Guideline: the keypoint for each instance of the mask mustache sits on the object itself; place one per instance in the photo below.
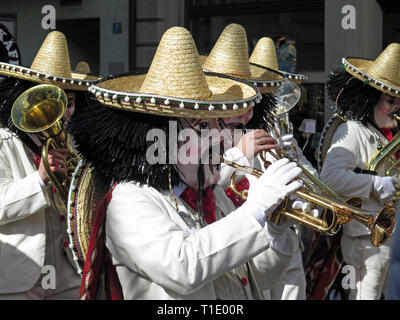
(212, 156)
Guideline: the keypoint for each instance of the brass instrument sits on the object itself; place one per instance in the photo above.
(346, 209)
(40, 109)
(337, 211)
(287, 96)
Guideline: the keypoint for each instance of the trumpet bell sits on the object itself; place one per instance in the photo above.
(287, 96)
(383, 225)
(39, 108)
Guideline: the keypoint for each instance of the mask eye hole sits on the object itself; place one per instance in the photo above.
(390, 99)
(203, 125)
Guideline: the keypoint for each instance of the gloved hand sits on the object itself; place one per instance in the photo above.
(286, 141)
(299, 203)
(268, 191)
(384, 187)
(295, 202)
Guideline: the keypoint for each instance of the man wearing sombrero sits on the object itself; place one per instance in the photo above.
(293, 285)
(170, 235)
(230, 56)
(36, 259)
(367, 95)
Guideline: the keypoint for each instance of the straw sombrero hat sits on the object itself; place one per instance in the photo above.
(51, 65)
(177, 86)
(264, 54)
(230, 56)
(382, 73)
(82, 67)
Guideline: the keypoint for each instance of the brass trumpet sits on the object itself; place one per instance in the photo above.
(337, 211)
(40, 109)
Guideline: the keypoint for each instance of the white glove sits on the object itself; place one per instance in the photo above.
(286, 141)
(295, 202)
(384, 187)
(268, 191)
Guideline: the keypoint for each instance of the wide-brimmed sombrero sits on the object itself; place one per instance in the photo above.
(177, 86)
(264, 54)
(230, 56)
(51, 65)
(383, 73)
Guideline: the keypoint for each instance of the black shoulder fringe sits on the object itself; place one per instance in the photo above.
(114, 142)
(357, 99)
(263, 113)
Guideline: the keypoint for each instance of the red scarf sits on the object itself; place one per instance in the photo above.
(100, 278)
(189, 196)
(240, 186)
(388, 133)
(37, 161)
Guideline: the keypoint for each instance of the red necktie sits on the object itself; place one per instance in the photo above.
(240, 186)
(189, 196)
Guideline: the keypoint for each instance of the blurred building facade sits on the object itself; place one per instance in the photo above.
(117, 36)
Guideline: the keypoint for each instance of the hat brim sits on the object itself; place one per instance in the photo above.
(85, 197)
(358, 68)
(78, 82)
(265, 79)
(294, 77)
(229, 97)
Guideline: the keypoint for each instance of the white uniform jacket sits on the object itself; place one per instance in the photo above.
(353, 146)
(161, 254)
(23, 205)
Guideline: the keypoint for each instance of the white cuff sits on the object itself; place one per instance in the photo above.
(42, 184)
(236, 155)
(253, 211)
(279, 240)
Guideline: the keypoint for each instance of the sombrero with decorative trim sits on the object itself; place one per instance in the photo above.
(230, 56)
(264, 54)
(85, 197)
(383, 73)
(51, 65)
(177, 86)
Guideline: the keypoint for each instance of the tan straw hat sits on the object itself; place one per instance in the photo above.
(382, 73)
(51, 65)
(82, 67)
(264, 54)
(177, 86)
(230, 56)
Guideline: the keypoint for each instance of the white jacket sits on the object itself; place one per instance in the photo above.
(160, 256)
(353, 146)
(23, 205)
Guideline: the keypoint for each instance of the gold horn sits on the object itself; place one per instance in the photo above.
(337, 211)
(381, 226)
(40, 109)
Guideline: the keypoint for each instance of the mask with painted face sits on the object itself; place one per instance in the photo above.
(200, 147)
(384, 111)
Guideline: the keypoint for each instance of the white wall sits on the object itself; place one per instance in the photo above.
(365, 41)
(114, 48)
